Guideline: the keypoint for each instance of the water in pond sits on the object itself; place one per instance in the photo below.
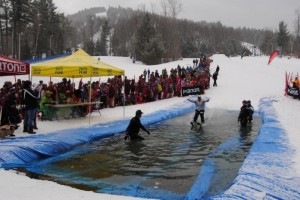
(166, 164)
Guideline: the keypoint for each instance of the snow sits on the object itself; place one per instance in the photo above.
(103, 14)
(248, 78)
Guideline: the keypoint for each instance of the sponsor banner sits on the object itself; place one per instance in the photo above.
(9, 67)
(294, 92)
(186, 91)
(12, 68)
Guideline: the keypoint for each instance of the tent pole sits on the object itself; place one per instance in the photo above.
(124, 96)
(90, 100)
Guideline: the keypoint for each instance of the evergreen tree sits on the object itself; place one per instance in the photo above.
(153, 51)
(283, 38)
(104, 39)
(89, 47)
(267, 45)
(26, 53)
(19, 16)
(189, 49)
(296, 45)
(48, 24)
(145, 33)
(5, 29)
(97, 48)
(149, 47)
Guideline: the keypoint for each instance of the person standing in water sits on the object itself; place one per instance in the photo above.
(200, 108)
(133, 129)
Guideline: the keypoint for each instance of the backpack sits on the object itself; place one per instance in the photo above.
(159, 87)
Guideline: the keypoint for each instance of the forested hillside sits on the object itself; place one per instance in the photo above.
(33, 28)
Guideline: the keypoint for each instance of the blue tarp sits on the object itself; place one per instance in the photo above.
(265, 174)
(22, 150)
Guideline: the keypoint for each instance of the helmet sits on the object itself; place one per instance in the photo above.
(248, 101)
(244, 101)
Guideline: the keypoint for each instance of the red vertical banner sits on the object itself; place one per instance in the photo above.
(273, 55)
(286, 84)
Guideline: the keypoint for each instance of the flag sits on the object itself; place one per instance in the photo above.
(273, 55)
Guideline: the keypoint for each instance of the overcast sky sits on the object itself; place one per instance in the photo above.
(237, 13)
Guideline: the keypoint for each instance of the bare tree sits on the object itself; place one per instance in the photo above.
(164, 7)
(175, 7)
(142, 8)
(297, 23)
(5, 27)
(296, 39)
(90, 25)
(153, 8)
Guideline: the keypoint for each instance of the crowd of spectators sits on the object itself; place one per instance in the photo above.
(149, 86)
(293, 87)
(295, 83)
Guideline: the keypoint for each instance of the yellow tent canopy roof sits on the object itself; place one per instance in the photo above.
(78, 65)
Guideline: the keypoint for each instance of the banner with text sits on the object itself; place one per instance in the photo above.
(191, 90)
(294, 92)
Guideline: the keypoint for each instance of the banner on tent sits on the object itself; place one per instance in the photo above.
(191, 90)
(294, 92)
(9, 67)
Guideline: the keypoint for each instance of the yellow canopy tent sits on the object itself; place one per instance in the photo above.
(78, 65)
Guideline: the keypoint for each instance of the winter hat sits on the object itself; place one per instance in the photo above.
(138, 112)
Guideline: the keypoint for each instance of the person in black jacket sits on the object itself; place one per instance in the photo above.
(215, 75)
(250, 111)
(30, 102)
(10, 114)
(134, 127)
(244, 114)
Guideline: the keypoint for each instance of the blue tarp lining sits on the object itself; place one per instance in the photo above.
(136, 188)
(202, 182)
(267, 171)
(22, 150)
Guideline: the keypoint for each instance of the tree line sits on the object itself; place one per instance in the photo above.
(33, 28)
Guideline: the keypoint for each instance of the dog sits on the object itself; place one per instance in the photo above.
(6, 130)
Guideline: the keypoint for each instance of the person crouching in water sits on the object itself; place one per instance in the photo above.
(200, 108)
(134, 127)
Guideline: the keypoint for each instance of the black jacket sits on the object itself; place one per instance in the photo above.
(215, 75)
(244, 113)
(134, 127)
(29, 99)
(10, 115)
